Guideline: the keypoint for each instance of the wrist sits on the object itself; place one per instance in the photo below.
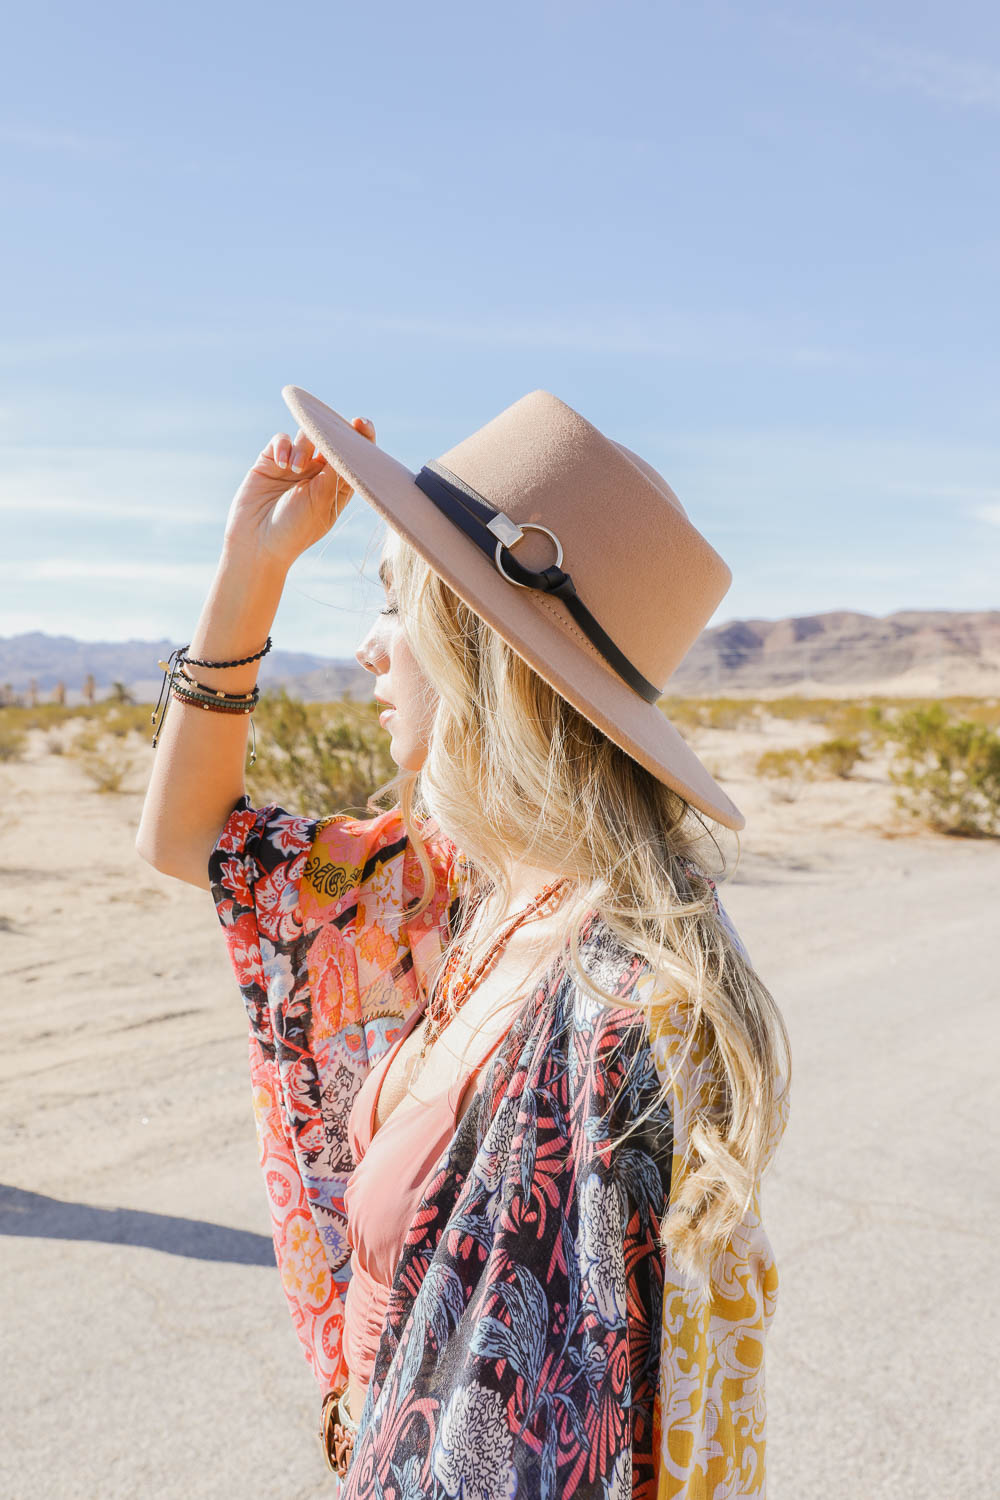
(252, 564)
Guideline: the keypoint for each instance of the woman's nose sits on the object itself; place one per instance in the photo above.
(368, 652)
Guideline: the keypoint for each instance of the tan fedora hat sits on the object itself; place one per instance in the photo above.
(572, 547)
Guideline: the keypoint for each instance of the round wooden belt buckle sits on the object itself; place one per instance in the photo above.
(337, 1440)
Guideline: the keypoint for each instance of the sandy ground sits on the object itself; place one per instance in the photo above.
(147, 1351)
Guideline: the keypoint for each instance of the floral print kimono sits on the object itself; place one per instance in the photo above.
(538, 1341)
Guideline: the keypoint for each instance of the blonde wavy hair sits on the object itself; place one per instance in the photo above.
(514, 772)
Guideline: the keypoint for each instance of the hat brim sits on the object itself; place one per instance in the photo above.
(521, 616)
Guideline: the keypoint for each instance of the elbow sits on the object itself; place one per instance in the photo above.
(192, 870)
(149, 853)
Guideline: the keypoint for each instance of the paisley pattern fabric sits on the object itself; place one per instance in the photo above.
(538, 1340)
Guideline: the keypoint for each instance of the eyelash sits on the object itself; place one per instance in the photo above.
(390, 609)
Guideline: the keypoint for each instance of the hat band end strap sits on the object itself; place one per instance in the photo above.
(469, 510)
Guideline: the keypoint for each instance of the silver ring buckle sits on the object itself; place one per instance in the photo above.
(509, 533)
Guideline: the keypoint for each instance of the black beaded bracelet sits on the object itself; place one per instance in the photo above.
(172, 670)
(241, 662)
(254, 692)
(182, 686)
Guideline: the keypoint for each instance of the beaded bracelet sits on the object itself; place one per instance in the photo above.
(225, 705)
(214, 706)
(241, 662)
(192, 691)
(254, 692)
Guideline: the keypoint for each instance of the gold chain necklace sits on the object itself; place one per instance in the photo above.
(450, 992)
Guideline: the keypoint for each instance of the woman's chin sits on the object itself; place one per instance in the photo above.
(406, 757)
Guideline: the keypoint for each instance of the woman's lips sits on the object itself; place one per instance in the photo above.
(385, 714)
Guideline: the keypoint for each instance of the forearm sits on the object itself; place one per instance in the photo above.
(198, 763)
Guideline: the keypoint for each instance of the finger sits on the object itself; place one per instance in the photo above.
(300, 453)
(304, 463)
(309, 454)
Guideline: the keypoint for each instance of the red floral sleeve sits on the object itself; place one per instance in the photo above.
(329, 969)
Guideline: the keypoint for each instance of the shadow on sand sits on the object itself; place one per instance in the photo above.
(35, 1217)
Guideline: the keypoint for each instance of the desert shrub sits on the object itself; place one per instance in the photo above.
(786, 770)
(98, 745)
(86, 740)
(120, 719)
(44, 715)
(682, 712)
(106, 765)
(876, 726)
(979, 710)
(318, 758)
(109, 711)
(710, 713)
(12, 737)
(836, 757)
(857, 719)
(727, 713)
(803, 710)
(949, 771)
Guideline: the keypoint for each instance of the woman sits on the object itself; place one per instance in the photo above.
(515, 1077)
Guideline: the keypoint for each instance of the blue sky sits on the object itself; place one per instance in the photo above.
(757, 244)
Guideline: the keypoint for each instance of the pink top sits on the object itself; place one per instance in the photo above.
(392, 1171)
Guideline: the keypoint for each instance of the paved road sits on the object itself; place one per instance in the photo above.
(882, 1204)
(151, 1350)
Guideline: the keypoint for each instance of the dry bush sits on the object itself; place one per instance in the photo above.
(107, 768)
(99, 748)
(836, 757)
(949, 771)
(711, 713)
(682, 712)
(86, 740)
(976, 710)
(802, 710)
(44, 715)
(121, 719)
(13, 737)
(318, 758)
(786, 770)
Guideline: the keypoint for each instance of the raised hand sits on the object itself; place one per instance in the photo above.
(288, 500)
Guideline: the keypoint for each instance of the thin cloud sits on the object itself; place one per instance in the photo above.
(120, 510)
(138, 484)
(724, 340)
(970, 493)
(793, 462)
(108, 570)
(136, 570)
(51, 348)
(715, 342)
(965, 82)
(672, 336)
(41, 138)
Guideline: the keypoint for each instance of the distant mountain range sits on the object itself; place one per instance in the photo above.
(931, 653)
(50, 659)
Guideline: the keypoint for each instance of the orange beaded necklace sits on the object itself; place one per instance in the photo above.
(452, 990)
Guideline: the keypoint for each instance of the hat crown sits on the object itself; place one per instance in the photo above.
(639, 565)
